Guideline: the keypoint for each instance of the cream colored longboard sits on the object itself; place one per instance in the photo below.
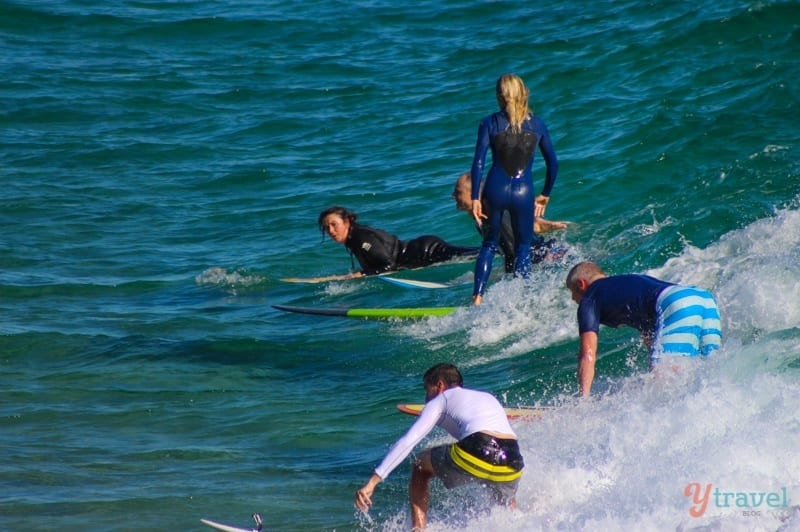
(520, 413)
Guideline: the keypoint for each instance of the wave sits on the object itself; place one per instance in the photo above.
(643, 454)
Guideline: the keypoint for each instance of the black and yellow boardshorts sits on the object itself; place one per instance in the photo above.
(479, 458)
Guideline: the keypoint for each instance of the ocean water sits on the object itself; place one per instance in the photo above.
(163, 164)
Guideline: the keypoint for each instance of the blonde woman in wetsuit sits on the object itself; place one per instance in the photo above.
(513, 134)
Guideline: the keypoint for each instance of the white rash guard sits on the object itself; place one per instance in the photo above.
(459, 411)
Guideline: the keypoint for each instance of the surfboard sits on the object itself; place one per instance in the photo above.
(411, 283)
(371, 313)
(329, 278)
(317, 280)
(523, 413)
(229, 528)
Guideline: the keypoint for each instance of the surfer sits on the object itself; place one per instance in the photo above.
(486, 452)
(672, 319)
(378, 251)
(541, 249)
(513, 134)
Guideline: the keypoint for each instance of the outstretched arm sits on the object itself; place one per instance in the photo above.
(540, 225)
(312, 280)
(364, 495)
(400, 450)
(586, 361)
(339, 277)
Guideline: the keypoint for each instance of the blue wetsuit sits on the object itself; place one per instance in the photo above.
(509, 187)
(539, 246)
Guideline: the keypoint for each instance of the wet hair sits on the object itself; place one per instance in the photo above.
(447, 373)
(512, 95)
(341, 212)
(583, 270)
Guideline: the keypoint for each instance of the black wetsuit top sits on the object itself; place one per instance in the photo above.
(378, 251)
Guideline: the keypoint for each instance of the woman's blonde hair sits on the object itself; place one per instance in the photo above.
(512, 95)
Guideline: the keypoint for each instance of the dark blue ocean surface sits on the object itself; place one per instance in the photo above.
(163, 165)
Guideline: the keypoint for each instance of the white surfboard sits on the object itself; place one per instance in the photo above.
(317, 280)
(229, 528)
(411, 283)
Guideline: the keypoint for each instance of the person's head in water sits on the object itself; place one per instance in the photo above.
(439, 378)
(336, 222)
(462, 192)
(512, 96)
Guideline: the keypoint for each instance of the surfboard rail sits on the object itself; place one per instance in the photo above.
(317, 280)
(413, 283)
(522, 413)
(370, 313)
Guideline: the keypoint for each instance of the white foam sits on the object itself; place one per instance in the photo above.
(623, 461)
(753, 272)
(517, 316)
(219, 276)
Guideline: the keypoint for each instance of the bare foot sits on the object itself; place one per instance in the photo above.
(477, 300)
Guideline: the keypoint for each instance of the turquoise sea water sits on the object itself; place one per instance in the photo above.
(163, 165)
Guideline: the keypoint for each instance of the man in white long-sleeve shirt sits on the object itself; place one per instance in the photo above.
(486, 451)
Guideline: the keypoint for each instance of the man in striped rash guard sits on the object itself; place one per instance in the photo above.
(671, 319)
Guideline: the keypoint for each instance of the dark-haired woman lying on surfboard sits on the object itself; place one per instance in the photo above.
(380, 252)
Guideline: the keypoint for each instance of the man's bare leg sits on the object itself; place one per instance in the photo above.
(418, 491)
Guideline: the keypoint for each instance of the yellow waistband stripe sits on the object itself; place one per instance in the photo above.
(481, 469)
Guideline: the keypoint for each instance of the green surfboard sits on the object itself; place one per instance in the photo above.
(371, 313)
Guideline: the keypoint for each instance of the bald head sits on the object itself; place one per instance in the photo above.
(462, 192)
(584, 271)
